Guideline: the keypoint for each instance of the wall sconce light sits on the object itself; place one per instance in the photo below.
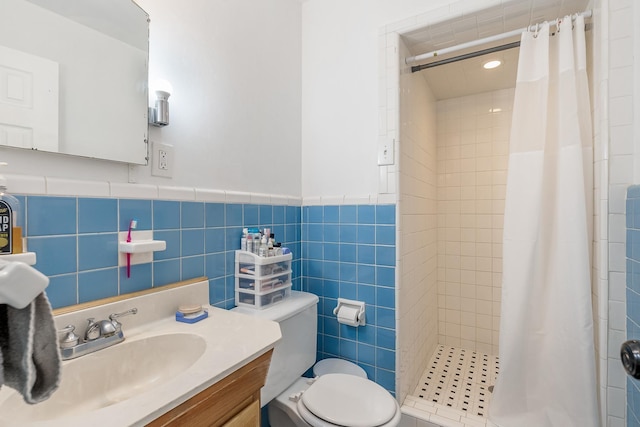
(159, 114)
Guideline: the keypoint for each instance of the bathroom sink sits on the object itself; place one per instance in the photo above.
(111, 376)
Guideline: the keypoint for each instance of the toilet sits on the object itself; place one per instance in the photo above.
(340, 395)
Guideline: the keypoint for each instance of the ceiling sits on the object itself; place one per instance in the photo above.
(468, 77)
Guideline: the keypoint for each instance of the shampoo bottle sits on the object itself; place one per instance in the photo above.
(10, 221)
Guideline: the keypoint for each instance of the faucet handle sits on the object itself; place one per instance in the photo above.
(113, 317)
(93, 330)
(70, 339)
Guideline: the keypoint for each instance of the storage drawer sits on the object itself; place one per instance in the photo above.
(251, 264)
(270, 283)
(252, 299)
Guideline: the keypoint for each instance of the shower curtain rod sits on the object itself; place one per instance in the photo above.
(416, 68)
(413, 59)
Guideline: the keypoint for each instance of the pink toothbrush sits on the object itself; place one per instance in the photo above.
(132, 225)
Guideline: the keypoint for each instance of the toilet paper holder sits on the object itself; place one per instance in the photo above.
(350, 312)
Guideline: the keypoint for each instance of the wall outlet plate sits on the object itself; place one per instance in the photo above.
(161, 159)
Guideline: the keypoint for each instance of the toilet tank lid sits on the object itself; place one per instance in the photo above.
(294, 304)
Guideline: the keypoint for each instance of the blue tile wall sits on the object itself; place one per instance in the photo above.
(76, 243)
(343, 251)
(633, 295)
(350, 252)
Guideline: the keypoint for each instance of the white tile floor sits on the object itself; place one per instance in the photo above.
(454, 390)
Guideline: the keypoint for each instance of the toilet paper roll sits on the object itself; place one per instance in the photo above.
(348, 315)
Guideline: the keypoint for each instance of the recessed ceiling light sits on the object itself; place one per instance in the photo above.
(491, 64)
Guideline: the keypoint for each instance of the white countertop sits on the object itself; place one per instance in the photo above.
(232, 340)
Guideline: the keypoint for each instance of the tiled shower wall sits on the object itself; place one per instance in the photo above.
(613, 38)
(615, 139)
(473, 147)
(417, 261)
(348, 251)
(633, 295)
(76, 243)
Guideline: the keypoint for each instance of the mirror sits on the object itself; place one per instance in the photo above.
(73, 77)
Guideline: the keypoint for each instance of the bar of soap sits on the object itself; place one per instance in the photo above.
(189, 309)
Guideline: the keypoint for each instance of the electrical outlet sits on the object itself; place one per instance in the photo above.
(162, 160)
(385, 151)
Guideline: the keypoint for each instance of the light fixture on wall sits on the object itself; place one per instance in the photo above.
(491, 64)
(159, 114)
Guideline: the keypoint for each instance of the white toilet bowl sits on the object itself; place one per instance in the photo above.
(335, 399)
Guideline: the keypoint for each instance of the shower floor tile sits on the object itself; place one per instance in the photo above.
(459, 379)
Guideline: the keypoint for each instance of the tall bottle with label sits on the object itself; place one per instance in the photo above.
(10, 221)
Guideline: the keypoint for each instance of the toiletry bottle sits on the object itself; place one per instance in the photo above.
(249, 243)
(243, 239)
(256, 243)
(10, 221)
(263, 247)
(271, 252)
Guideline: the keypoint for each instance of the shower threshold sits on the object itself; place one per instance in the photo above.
(454, 390)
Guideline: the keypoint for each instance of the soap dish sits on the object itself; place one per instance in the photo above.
(191, 317)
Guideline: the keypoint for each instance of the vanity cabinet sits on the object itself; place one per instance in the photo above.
(234, 401)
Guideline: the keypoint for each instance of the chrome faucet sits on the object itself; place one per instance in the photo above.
(98, 335)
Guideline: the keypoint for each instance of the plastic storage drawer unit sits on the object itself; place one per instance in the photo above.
(262, 281)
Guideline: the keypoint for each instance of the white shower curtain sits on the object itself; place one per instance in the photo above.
(547, 360)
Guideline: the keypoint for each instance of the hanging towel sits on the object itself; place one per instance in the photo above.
(29, 354)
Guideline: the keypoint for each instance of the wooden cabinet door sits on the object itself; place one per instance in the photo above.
(248, 417)
(224, 401)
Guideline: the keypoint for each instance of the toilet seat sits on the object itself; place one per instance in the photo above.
(347, 401)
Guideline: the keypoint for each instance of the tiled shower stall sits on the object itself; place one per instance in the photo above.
(412, 118)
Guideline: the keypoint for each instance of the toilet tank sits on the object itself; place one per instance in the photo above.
(296, 351)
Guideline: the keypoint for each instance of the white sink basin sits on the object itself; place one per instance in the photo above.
(112, 375)
(161, 364)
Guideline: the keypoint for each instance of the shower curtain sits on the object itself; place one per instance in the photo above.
(547, 359)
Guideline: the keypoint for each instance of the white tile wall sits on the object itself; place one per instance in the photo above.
(473, 145)
(41, 185)
(617, 43)
(417, 261)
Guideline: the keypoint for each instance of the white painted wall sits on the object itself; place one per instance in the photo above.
(235, 111)
(340, 95)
